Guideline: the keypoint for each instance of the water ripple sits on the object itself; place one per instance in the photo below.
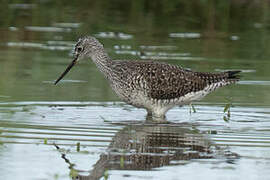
(113, 135)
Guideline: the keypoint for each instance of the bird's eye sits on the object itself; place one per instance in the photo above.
(79, 49)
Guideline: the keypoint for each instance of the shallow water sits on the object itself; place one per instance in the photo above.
(80, 129)
(114, 136)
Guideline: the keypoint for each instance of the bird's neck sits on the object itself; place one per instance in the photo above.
(103, 62)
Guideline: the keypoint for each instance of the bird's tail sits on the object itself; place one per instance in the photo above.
(219, 79)
(233, 75)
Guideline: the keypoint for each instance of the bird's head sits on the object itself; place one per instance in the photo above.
(86, 46)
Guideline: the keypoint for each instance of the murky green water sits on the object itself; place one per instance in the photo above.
(41, 124)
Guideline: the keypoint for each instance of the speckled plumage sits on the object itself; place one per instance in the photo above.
(155, 86)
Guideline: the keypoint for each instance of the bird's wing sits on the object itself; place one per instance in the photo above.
(170, 82)
(166, 81)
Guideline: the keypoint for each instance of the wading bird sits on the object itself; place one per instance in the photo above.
(155, 86)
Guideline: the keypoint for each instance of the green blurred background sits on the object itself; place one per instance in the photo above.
(36, 40)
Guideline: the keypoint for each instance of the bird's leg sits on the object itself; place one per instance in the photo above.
(151, 118)
(149, 113)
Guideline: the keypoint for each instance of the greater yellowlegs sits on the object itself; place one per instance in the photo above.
(155, 86)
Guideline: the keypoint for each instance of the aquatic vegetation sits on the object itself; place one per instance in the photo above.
(73, 173)
(46, 141)
(78, 145)
(122, 161)
(192, 108)
(227, 110)
(106, 174)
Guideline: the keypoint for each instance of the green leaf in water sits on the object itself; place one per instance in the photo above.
(73, 173)
(192, 108)
(227, 107)
(122, 161)
(78, 146)
(45, 141)
(226, 118)
(106, 174)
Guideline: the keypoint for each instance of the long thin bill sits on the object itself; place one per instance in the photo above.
(67, 70)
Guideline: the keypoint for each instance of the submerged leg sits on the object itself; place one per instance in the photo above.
(149, 113)
(152, 117)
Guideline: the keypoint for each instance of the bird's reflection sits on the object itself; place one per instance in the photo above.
(147, 146)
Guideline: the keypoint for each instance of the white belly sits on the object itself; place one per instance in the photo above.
(159, 107)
